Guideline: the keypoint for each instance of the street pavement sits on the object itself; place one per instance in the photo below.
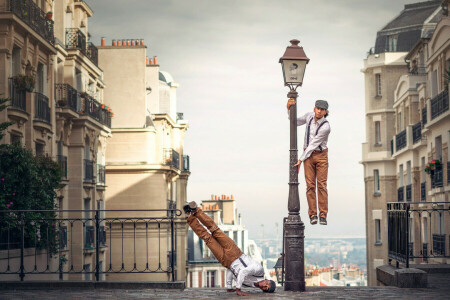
(438, 288)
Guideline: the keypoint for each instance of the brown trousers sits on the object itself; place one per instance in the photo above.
(221, 245)
(316, 168)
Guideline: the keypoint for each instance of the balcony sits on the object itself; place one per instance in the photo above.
(76, 40)
(400, 140)
(437, 178)
(89, 237)
(172, 158)
(409, 192)
(18, 96)
(439, 244)
(424, 116)
(62, 161)
(101, 174)
(392, 147)
(88, 170)
(401, 194)
(417, 132)
(92, 108)
(41, 107)
(425, 252)
(439, 104)
(66, 97)
(186, 166)
(423, 191)
(34, 17)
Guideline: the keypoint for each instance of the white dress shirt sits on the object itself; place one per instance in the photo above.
(321, 139)
(245, 271)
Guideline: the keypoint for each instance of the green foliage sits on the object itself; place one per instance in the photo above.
(4, 125)
(28, 183)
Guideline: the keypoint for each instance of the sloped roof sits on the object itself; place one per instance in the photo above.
(413, 14)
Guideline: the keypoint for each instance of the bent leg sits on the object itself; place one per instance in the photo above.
(210, 241)
(310, 178)
(322, 176)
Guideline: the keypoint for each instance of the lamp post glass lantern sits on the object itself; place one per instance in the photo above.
(293, 65)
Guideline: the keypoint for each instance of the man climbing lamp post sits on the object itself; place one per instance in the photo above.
(293, 64)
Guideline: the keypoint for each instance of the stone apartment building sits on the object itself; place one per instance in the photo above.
(62, 117)
(146, 165)
(407, 122)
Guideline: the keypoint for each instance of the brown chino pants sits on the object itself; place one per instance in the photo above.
(221, 245)
(316, 168)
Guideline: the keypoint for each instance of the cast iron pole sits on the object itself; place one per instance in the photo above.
(294, 227)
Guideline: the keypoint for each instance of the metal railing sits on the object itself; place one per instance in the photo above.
(400, 140)
(409, 192)
(399, 215)
(423, 191)
(171, 158)
(439, 104)
(401, 194)
(88, 170)
(417, 132)
(392, 147)
(92, 53)
(67, 96)
(424, 116)
(76, 39)
(18, 96)
(62, 161)
(437, 177)
(186, 163)
(41, 107)
(92, 108)
(34, 17)
(101, 174)
(41, 242)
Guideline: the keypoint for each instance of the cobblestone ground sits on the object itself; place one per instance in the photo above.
(439, 288)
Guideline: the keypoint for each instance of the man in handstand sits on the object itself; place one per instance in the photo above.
(244, 270)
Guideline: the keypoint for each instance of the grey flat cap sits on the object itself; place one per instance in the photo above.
(322, 104)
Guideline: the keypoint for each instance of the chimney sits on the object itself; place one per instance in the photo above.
(212, 197)
(146, 60)
(132, 42)
(103, 42)
(128, 43)
(215, 197)
(119, 43)
(155, 60)
(124, 42)
(142, 42)
(232, 197)
(113, 42)
(151, 61)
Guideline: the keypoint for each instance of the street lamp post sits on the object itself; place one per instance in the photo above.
(293, 64)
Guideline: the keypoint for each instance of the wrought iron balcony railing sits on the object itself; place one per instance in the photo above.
(392, 147)
(424, 116)
(439, 244)
(67, 96)
(425, 252)
(186, 163)
(401, 194)
(400, 140)
(172, 158)
(88, 170)
(439, 104)
(437, 178)
(34, 17)
(76, 39)
(41, 107)
(62, 161)
(423, 191)
(18, 96)
(62, 236)
(92, 108)
(409, 192)
(417, 132)
(101, 174)
(92, 53)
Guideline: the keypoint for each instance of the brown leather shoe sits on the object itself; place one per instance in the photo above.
(323, 221)
(313, 220)
(190, 207)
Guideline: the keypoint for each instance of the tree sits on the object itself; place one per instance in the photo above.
(4, 125)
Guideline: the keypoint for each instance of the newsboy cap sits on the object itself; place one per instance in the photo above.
(322, 104)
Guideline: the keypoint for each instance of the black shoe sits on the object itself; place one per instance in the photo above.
(313, 220)
(190, 207)
(323, 221)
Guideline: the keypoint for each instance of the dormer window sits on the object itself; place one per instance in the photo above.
(393, 43)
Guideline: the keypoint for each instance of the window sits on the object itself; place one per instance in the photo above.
(377, 232)
(438, 143)
(425, 230)
(39, 149)
(392, 43)
(399, 122)
(377, 133)
(235, 237)
(400, 171)
(210, 279)
(15, 67)
(378, 84)
(15, 139)
(40, 78)
(376, 182)
(408, 172)
(424, 178)
(434, 83)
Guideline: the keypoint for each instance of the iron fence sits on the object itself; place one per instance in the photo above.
(399, 243)
(92, 53)
(42, 242)
(41, 107)
(171, 158)
(400, 140)
(417, 132)
(18, 96)
(34, 17)
(186, 165)
(437, 177)
(439, 104)
(92, 108)
(67, 96)
(409, 192)
(401, 194)
(76, 39)
(424, 116)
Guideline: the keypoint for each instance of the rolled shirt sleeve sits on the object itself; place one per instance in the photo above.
(323, 133)
(301, 120)
(230, 277)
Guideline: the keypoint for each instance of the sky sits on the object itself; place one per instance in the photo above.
(224, 55)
